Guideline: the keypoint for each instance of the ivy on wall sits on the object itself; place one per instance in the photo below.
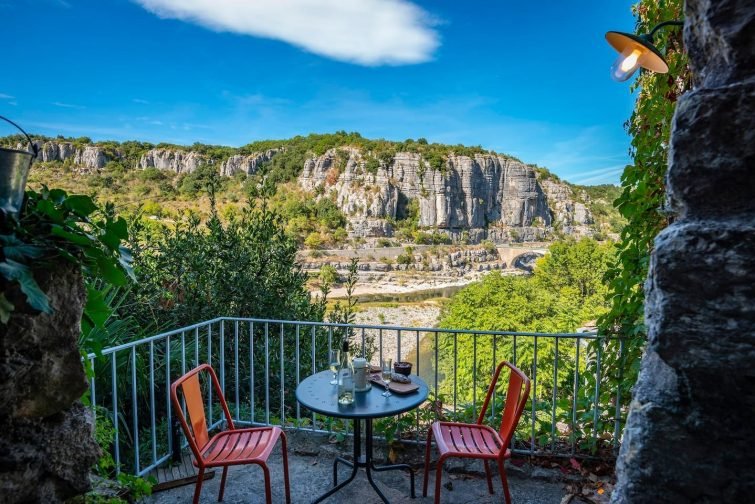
(643, 193)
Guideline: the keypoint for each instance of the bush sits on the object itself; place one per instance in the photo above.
(197, 271)
(152, 208)
(489, 247)
(314, 240)
(152, 174)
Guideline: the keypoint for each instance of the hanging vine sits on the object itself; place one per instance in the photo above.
(643, 190)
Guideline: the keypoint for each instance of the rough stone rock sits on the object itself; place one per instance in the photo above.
(695, 152)
(689, 433)
(40, 366)
(90, 156)
(179, 161)
(47, 459)
(246, 164)
(46, 444)
(471, 194)
(719, 36)
(562, 202)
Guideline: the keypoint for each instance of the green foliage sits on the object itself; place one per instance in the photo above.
(328, 275)
(565, 291)
(55, 226)
(205, 178)
(197, 271)
(407, 257)
(434, 237)
(642, 183)
(136, 487)
(104, 434)
(315, 222)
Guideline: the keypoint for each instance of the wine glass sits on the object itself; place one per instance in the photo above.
(387, 370)
(335, 360)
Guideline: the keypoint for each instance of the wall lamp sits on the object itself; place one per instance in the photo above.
(637, 51)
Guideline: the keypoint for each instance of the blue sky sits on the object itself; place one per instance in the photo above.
(525, 78)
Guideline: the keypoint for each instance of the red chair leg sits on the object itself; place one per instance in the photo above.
(427, 461)
(438, 478)
(490, 478)
(198, 488)
(285, 468)
(222, 484)
(504, 482)
(268, 490)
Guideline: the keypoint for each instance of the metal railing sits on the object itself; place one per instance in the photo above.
(576, 407)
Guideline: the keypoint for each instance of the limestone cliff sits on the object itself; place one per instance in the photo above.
(90, 157)
(246, 164)
(483, 196)
(179, 161)
(486, 195)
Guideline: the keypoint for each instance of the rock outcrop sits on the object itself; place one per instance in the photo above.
(486, 195)
(246, 164)
(46, 443)
(90, 157)
(175, 160)
(689, 434)
(475, 198)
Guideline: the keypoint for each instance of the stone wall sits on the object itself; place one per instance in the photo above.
(46, 443)
(690, 436)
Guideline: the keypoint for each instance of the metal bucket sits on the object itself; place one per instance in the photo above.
(14, 168)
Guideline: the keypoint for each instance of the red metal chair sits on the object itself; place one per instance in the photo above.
(477, 440)
(230, 447)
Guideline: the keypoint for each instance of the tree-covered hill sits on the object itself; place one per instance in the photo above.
(120, 176)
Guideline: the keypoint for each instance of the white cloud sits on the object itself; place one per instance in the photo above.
(4, 96)
(366, 32)
(140, 101)
(67, 105)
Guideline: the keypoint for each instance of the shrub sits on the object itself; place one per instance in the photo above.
(314, 240)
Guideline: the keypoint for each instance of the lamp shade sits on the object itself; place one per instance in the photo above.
(635, 51)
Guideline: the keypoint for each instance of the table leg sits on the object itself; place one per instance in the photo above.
(370, 465)
(355, 465)
(367, 463)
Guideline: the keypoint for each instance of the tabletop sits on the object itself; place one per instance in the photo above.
(316, 393)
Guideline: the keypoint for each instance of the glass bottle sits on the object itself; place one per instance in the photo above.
(345, 377)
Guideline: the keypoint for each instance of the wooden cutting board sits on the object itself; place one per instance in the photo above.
(396, 387)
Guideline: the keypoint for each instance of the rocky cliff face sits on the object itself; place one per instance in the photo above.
(89, 157)
(178, 161)
(486, 195)
(246, 164)
(483, 197)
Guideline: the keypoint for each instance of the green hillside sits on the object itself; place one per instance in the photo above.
(165, 195)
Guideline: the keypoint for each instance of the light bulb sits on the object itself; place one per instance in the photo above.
(626, 64)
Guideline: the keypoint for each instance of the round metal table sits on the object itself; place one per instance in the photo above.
(317, 394)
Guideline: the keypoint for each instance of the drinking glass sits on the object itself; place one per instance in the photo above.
(387, 370)
(335, 360)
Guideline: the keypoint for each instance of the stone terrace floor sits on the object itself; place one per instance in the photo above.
(310, 463)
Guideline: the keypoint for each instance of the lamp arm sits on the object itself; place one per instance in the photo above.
(663, 25)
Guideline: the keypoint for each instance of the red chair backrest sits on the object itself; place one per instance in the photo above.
(516, 396)
(190, 386)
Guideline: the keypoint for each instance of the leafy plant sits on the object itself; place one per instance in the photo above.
(643, 194)
(55, 225)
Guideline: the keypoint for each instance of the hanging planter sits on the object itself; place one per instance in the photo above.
(14, 168)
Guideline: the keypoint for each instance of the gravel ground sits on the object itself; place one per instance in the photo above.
(310, 460)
